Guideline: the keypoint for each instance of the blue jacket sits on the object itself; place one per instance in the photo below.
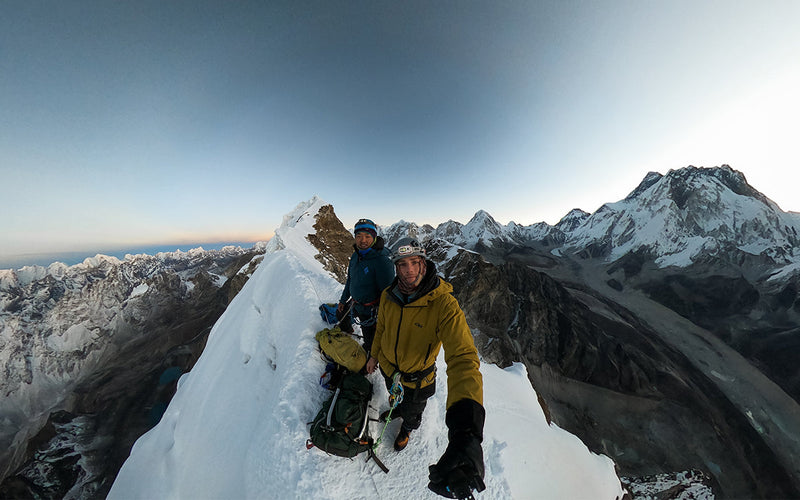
(367, 276)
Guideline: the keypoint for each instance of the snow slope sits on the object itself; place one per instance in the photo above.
(237, 426)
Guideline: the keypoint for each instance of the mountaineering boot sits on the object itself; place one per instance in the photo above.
(401, 441)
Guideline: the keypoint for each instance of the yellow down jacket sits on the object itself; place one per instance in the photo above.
(409, 336)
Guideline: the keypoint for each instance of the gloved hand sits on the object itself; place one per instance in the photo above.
(460, 470)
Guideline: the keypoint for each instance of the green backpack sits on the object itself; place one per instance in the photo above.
(341, 426)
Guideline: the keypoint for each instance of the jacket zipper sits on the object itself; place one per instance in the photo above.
(397, 339)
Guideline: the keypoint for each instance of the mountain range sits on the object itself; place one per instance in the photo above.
(83, 352)
(662, 330)
(678, 218)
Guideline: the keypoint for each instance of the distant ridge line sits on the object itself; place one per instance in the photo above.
(72, 258)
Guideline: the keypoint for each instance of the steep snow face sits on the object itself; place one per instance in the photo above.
(688, 212)
(237, 426)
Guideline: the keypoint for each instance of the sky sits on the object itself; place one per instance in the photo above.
(138, 123)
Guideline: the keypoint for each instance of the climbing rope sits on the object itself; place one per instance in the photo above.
(395, 398)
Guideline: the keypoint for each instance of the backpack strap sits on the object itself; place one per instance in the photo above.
(333, 404)
(371, 454)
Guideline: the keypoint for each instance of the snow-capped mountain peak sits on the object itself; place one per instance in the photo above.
(649, 179)
(401, 229)
(482, 218)
(481, 229)
(688, 213)
(482, 226)
(572, 220)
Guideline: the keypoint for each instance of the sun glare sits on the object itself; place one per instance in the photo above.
(756, 131)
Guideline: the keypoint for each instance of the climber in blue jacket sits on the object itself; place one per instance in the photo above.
(370, 271)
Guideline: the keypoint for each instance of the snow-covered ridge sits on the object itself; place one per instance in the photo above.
(258, 379)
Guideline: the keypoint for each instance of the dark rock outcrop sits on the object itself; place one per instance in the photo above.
(333, 241)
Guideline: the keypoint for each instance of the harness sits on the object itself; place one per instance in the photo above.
(373, 317)
(373, 304)
(415, 378)
(368, 304)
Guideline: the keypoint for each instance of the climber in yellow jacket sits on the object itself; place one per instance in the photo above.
(418, 315)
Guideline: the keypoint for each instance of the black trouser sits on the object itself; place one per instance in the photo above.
(369, 334)
(367, 331)
(413, 404)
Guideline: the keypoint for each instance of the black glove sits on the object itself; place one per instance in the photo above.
(460, 470)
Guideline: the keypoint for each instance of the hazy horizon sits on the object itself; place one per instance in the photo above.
(71, 258)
